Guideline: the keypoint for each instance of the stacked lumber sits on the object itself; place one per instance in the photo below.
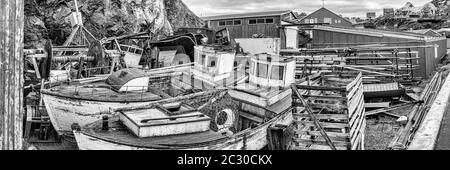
(418, 113)
(378, 65)
(308, 65)
(337, 106)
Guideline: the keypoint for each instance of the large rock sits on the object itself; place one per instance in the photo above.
(47, 19)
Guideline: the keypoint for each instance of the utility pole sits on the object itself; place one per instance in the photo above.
(11, 74)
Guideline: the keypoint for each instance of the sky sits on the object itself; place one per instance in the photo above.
(348, 8)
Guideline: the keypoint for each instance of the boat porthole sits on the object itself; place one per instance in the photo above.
(224, 120)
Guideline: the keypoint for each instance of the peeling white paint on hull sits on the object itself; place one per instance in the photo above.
(63, 112)
(256, 139)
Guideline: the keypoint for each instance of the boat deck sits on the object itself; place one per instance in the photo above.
(101, 91)
(118, 133)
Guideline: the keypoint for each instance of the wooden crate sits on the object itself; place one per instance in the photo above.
(338, 104)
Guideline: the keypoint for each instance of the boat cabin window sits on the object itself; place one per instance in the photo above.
(124, 48)
(203, 60)
(252, 68)
(262, 70)
(212, 61)
(277, 72)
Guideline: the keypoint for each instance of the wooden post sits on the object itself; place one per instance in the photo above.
(11, 74)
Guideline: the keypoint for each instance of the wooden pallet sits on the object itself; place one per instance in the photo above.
(338, 105)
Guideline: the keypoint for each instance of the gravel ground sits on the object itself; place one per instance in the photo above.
(379, 135)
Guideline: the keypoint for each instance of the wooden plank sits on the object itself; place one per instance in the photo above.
(320, 142)
(356, 128)
(317, 147)
(354, 90)
(358, 113)
(11, 74)
(377, 105)
(251, 117)
(341, 117)
(325, 124)
(413, 96)
(305, 87)
(311, 114)
(353, 103)
(36, 68)
(330, 134)
(355, 82)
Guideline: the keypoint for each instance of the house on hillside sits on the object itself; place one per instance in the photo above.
(388, 12)
(409, 11)
(429, 10)
(245, 25)
(324, 15)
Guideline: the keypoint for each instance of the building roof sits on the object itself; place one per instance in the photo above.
(323, 8)
(247, 15)
(425, 32)
(377, 33)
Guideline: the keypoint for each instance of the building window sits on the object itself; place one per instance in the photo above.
(327, 20)
(261, 21)
(237, 22)
(269, 20)
(311, 21)
(221, 23)
(229, 23)
(306, 21)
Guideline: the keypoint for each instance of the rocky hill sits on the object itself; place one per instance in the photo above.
(46, 19)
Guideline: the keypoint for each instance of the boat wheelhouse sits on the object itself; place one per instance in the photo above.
(212, 65)
(268, 84)
(213, 69)
(133, 55)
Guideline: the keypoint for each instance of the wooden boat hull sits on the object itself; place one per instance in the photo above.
(250, 139)
(63, 111)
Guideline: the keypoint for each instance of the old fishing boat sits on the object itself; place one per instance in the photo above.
(86, 102)
(208, 120)
(215, 119)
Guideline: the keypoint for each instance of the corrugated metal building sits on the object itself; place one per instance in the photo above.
(247, 24)
(327, 36)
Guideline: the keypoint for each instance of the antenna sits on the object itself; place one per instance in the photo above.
(323, 3)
